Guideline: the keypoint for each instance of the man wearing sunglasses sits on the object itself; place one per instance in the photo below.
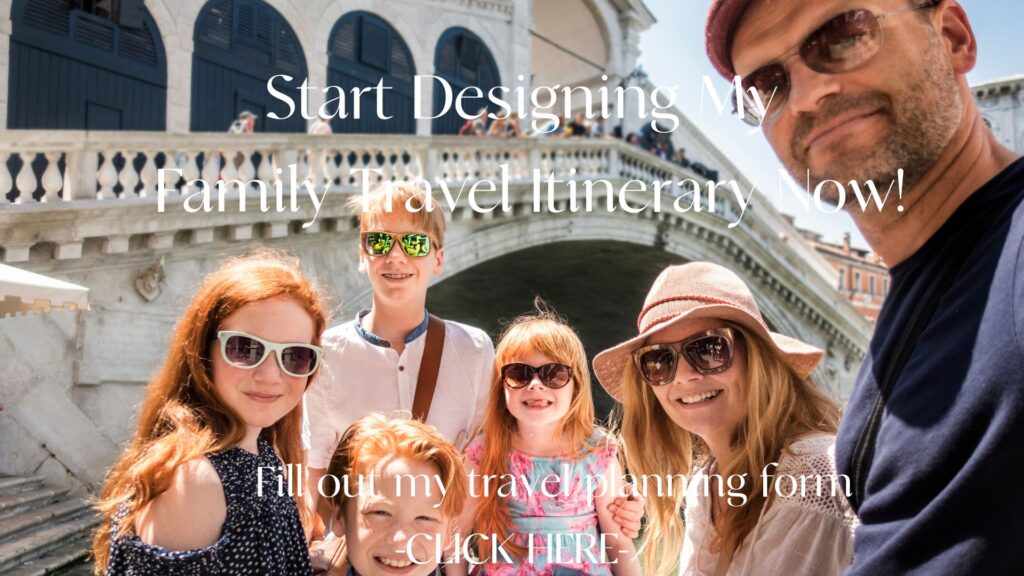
(932, 434)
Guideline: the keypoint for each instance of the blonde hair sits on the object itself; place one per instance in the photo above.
(546, 333)
(780, 407)
(389, 197)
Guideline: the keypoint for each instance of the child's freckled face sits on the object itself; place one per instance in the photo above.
(262, 395)
(398, 529)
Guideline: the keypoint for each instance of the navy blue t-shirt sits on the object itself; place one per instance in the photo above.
(945, 491)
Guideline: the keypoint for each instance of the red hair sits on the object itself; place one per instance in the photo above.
(374, 438)
(546, 333)
(182, 416)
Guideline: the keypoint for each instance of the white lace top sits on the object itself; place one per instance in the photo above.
(803, 532)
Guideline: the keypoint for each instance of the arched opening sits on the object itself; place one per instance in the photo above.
(462, 60)
(364, 50)
(85, 65)
(239, 46)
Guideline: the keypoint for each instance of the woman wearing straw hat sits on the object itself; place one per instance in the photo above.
(710, 393)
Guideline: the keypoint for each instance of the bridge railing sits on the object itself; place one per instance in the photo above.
(59, 189)
(65, 166)
(67, 198)
(48, 176)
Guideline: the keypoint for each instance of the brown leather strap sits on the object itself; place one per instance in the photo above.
(429, 367)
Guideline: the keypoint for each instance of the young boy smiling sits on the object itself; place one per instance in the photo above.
(371, 362)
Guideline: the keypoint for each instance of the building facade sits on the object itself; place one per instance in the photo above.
(1002, 108)
(862, 277)
(193, 65)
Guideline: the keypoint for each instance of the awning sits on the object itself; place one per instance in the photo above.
(22, 292)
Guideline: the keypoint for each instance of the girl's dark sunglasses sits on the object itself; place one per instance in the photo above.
(243, 350)
(708, 352)
(380, 243)
(552, 375)
(843, 44)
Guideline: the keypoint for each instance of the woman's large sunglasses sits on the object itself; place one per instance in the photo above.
(708, 352)
(243, 350)
(843, 44)
(380, 243)
(552, 375)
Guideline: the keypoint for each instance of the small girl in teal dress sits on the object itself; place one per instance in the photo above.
(543, 476)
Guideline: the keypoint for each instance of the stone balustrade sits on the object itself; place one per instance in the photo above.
(43, 175)
(83, 206)
(65, 166)
(65, 194)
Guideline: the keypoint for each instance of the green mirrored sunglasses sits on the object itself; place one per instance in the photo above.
(380, 243)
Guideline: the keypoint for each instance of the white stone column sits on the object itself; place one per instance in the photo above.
(631, 25)
(176, 22)
(179, 85)
(631, 101)
(424, 124)
(521, 54)
(315, 52)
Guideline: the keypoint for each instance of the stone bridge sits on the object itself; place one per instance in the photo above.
(83, 206)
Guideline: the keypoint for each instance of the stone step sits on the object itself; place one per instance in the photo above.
(14, 484)
(66, 560)
(18, 502)
(37, 543)
(35, 517)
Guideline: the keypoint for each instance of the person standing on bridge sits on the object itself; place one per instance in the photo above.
(876, 91)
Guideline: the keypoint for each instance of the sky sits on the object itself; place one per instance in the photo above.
(672, 53)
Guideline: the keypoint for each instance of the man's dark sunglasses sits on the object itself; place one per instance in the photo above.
(843, 44)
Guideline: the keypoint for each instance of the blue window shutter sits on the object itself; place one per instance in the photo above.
(49, 15)
(94, 31)
(215, 27)
(374, 45)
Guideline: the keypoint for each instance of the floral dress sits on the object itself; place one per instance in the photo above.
(553, 510)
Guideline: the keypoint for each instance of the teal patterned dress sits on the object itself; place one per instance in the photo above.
(553, 510)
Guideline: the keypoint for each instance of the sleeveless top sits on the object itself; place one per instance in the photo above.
(553, 510)
(261, 536)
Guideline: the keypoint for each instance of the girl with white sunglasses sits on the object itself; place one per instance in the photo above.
(196, 491)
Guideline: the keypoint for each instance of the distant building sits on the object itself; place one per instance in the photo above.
(1002, 108)
(863, 277)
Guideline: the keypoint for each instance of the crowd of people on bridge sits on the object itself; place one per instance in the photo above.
(657, 142)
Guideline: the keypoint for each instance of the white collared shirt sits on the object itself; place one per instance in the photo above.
(362, 373)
